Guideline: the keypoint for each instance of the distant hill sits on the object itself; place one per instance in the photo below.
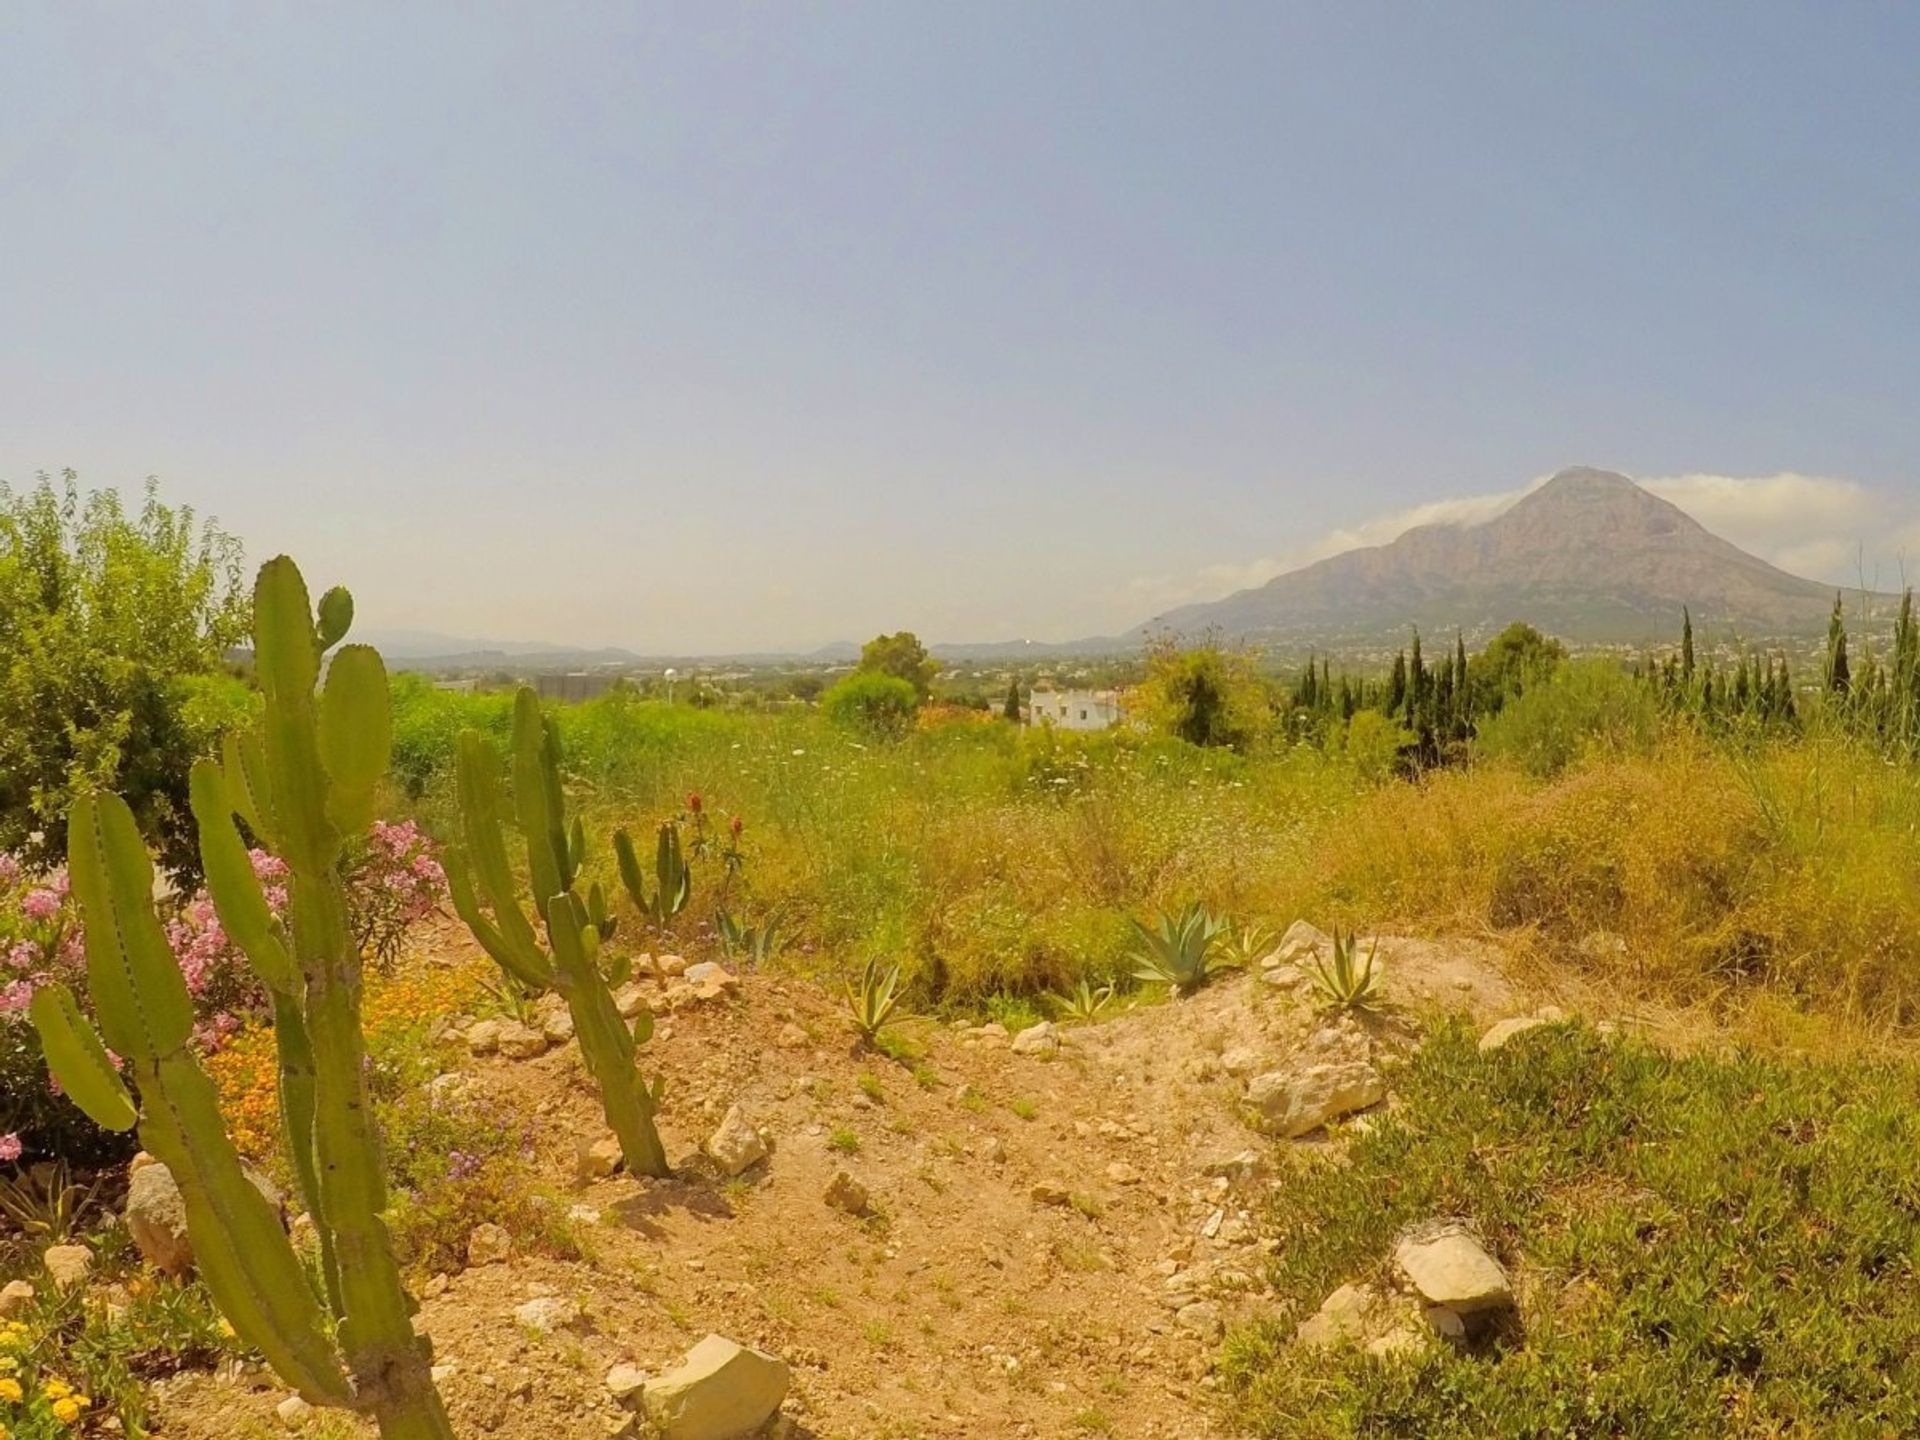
(1589, 556)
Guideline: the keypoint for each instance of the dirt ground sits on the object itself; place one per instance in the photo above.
(1054, 1240)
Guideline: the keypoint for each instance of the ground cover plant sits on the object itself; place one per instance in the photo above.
(1713, 1245)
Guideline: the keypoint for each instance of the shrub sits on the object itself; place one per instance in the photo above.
(1588, 704)
(872, 704)
(1709, 1245)
(113, 627)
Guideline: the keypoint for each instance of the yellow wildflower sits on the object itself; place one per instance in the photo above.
(67, 1411)
(56, 1389)
(10, 1390)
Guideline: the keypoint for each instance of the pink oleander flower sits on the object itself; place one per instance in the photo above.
(25, 955)
(10, 1148)
(16, 996)
(9, 868)
(40, 904)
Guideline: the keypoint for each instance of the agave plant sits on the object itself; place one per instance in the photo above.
(1084, 1002)
(873, 999)
(757, 943)
(1345, 982)
(1179, 950)
(1246, 945)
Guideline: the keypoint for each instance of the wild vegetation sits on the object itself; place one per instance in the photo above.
(1707, 1239)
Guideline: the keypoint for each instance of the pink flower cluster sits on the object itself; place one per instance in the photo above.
(394, 882)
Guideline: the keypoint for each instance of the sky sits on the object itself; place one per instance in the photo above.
(703, 328)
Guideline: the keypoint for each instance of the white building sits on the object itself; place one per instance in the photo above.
(1074, 709)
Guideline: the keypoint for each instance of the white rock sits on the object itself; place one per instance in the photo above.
(625, 1381)
(993, 1150)
(721, 1391)
(1240, 1062)
(1121, 1173)
(1041, 1039)
(596, 1159)
(156, 1217)
(15, 1298)
(483, 1037)
(293, 1412)
(546, 1314)
(846, 1193)
(520, 1042)
(1202, 1317)
(1449, 1267)
(1301, 942)
(630, 999)
(736, 1146)
(68, 1265)
(1290, 1104)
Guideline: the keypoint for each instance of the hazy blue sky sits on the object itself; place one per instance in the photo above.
(703, 327)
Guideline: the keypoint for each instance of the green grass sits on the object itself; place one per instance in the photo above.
(1742, 1235)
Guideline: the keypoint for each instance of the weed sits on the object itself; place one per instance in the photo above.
(845, 1141)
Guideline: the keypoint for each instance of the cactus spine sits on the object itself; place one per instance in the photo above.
(480, 878)
(301, 783)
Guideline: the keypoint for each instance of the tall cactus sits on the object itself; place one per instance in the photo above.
(672, 876)
(302, 782)
(480, 877)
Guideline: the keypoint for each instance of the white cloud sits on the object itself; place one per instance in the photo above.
(1821, 526)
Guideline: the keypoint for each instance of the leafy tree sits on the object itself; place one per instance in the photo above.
(1518, 657)
(1206, 695)
(902, 656)
(112, 631)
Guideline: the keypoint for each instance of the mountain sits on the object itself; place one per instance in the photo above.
(1589, 556)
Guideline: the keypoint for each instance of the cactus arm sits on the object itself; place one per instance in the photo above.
(79, 1060)
(630, 875)
(536, 800)
(237, 896)
(238, 1245)
(676, 881)
(605, 1042)
(296, 1109)
(287, 664)
(356, 735)
(525, 965)
(243, 765)
(335, 617)
(138, 990)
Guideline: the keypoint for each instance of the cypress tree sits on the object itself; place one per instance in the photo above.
(1011, 710)
(1686, 644)
(1839, 672)
(1417, 685)
(1397, 686)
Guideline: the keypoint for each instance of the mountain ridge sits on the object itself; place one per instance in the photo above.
(1589, 555)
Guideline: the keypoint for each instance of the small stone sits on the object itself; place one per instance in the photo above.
(846, 1193)
(483, 1037)
(630, 999)
(1291, 1104)
(1240, 1062)
(736, 1146)
(671, 966)
(1449, 1267)
(546, 1314)
(993, 1150)
(792, 1037)
(721, 1391)
(1041, 1039)
(156, 1217)
(68, 1265)
(293, 1412)
(1048, 1193)
(15, 1298)
(1203, 1318)
(711, 973)
(520, 1042)
(1508, 1030)
(597, 1159)
(1445, 1323)
(1236, 1168)
(488, 1244)
(556, 1026)
(1121, 1173)
(625, 1381)
(992, 1030)
(1301, 942)
(584, 1214)
(1346, 1316)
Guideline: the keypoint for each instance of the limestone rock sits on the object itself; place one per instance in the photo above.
(555, 1022)
(156, 1217)
(671, 966)
(15, 1297)
(68, 1265)
(597, 1159)
(1508, 1030)
(709, 975)
(1300, 944)
(1349, 1316)
(625, 1381)
(1203, 1318)
(1048, 1193)
(546, 1314)
(483, 1037)
(1448, 1266)
(293, 1412)
(520, 1042)
(488, 1245)
(1041, 1039)
(846, 1193)
(1121, 1173)
(1291, 1104)
(736, 1146)
(721, 1391)
(993, 1150)
(630, 999)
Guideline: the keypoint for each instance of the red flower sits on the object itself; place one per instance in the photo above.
(693, 802)
(737, 827)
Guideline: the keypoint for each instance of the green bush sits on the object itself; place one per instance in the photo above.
(1705, 1246)
(113, 629)
(1583, 705)
(872, 704)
